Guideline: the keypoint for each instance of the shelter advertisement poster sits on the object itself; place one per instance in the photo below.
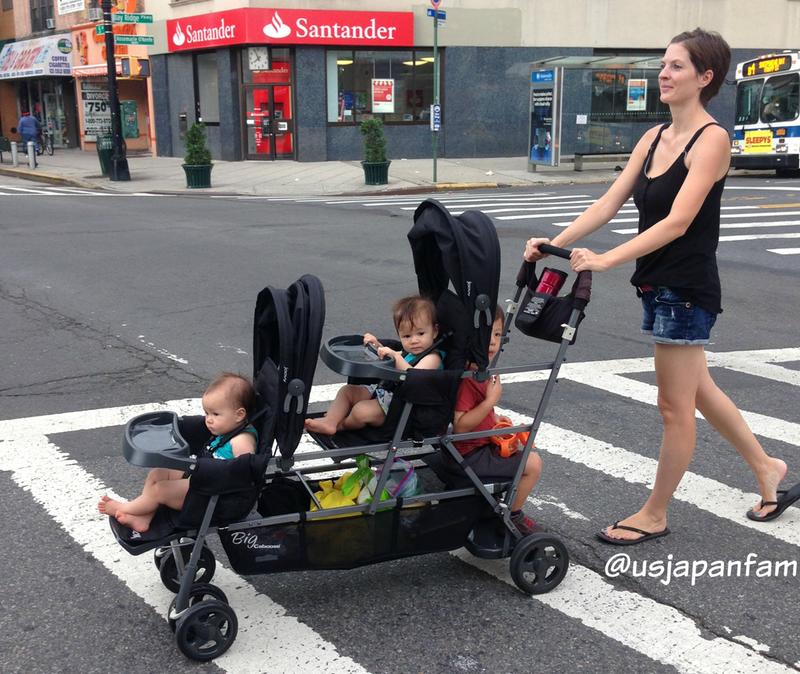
(637, 96)
(96, 110)
(544, 109)
(383, 95)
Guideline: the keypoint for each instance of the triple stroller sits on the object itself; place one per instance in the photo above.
(263, 506)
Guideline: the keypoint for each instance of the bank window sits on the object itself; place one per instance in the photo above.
(41, 11)
(396, 86)
(267, 65)
(206, 87)
(625, 96)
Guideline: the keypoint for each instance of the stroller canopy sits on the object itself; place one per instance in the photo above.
(463, 250)
(287, 332)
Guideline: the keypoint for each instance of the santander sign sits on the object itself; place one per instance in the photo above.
(290, 26)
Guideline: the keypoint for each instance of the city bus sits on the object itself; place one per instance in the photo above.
(766, 132)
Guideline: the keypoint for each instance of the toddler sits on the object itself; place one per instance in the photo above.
(227, 402)
(357, 406)
(474, 412)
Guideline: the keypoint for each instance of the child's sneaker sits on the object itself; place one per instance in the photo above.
(525, 525)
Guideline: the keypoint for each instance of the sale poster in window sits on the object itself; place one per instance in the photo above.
(637, 95)
(382, 95)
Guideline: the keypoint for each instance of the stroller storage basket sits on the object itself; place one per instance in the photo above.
(349, 542)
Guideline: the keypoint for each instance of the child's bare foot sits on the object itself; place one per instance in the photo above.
(140, 523)
(320, 425)
(768, 486)
(108, 506)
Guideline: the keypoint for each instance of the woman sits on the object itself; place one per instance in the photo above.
(676, 174)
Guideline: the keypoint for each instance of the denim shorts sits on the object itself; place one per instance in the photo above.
(673, 320)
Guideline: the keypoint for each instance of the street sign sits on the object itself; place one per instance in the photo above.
(436, 117)
(438, 14)
(124, 17)
(135, 39)
(100, 29)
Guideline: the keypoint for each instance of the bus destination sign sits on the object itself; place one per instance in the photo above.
(767, 65)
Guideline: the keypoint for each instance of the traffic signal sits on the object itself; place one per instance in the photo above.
(135, 67)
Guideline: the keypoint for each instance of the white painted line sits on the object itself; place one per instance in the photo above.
(25, 190)
(656, 630)
(561, 215)
(706, 494)
(753, 237)
(163, 352)
(764, 189)
(784, 251)
(69, 495)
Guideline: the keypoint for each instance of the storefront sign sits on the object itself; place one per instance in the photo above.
(382, 95)
(41, 57)
(637, 95)
(96, 109)
(290, 26)
(70, 6)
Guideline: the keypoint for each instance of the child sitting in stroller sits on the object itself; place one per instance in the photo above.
(357, 406)
(474, 412)
(227, 402)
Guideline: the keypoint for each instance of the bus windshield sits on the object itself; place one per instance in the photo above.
(747, 98)
(780, 98)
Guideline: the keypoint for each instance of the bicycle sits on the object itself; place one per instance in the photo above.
(46, 143)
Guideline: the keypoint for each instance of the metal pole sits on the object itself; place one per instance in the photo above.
(119, 164)
(435, 82)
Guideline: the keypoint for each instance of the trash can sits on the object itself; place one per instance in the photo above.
(105, 150)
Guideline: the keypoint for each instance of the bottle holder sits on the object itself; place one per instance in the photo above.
(543, 316)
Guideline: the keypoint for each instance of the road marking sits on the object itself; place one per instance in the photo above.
(784, 251)
(794, 205)
(69, 494)
(752, 237)
(163, 352)
(656, 630)
(729, 225)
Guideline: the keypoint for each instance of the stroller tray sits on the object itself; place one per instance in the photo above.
(350, 542)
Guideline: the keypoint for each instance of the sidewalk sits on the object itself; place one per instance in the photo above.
(164, 175)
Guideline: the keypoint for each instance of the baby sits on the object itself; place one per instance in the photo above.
(227, 401)
(358, 406)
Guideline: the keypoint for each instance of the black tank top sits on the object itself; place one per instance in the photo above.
(689, 263)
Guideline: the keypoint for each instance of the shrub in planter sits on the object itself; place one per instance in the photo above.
(376, 166)
(197, 160)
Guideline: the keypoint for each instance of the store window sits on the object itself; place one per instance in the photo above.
(41, 11)
(396, 86)
(626, 96)
(206, 87)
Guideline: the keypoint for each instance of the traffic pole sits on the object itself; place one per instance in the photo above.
(119, 164)
(435, 81)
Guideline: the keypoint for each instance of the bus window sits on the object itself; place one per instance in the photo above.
(747, 95)
(780, 98)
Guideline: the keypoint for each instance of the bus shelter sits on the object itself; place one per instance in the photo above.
(590, 106)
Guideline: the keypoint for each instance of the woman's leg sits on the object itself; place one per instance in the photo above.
(345, 399)
(679, 372)
(720, 411)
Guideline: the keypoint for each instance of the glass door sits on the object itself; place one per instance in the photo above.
(269, 121)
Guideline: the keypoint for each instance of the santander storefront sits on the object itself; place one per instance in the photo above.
(261, 75)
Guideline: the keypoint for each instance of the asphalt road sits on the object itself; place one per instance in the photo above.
(109, 302)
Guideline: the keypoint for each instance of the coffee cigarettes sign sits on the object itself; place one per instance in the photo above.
(290, 26)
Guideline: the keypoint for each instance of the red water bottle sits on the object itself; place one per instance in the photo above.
(551, 281)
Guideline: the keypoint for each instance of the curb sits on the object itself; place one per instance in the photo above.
(28, 174)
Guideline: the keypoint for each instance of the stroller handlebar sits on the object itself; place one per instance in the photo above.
(547, 249)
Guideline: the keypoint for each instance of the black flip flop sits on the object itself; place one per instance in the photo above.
(645, 535)
(785, 499)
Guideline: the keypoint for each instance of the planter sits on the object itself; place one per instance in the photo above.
(198, 176)
(376, 172)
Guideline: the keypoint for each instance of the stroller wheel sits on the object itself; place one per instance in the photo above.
(539, 563)
(199, 592)
(168, 569)
(159, 554)
(206, 630)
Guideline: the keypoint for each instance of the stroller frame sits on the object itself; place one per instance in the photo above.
(205, 625)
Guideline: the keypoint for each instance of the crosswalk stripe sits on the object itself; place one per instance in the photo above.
(784, 251)
(69, 494)
(752, 237)
(656, 630)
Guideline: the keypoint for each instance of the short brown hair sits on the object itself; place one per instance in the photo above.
(238, 390)
(499, 314)
(708, 51)
(415, 306)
